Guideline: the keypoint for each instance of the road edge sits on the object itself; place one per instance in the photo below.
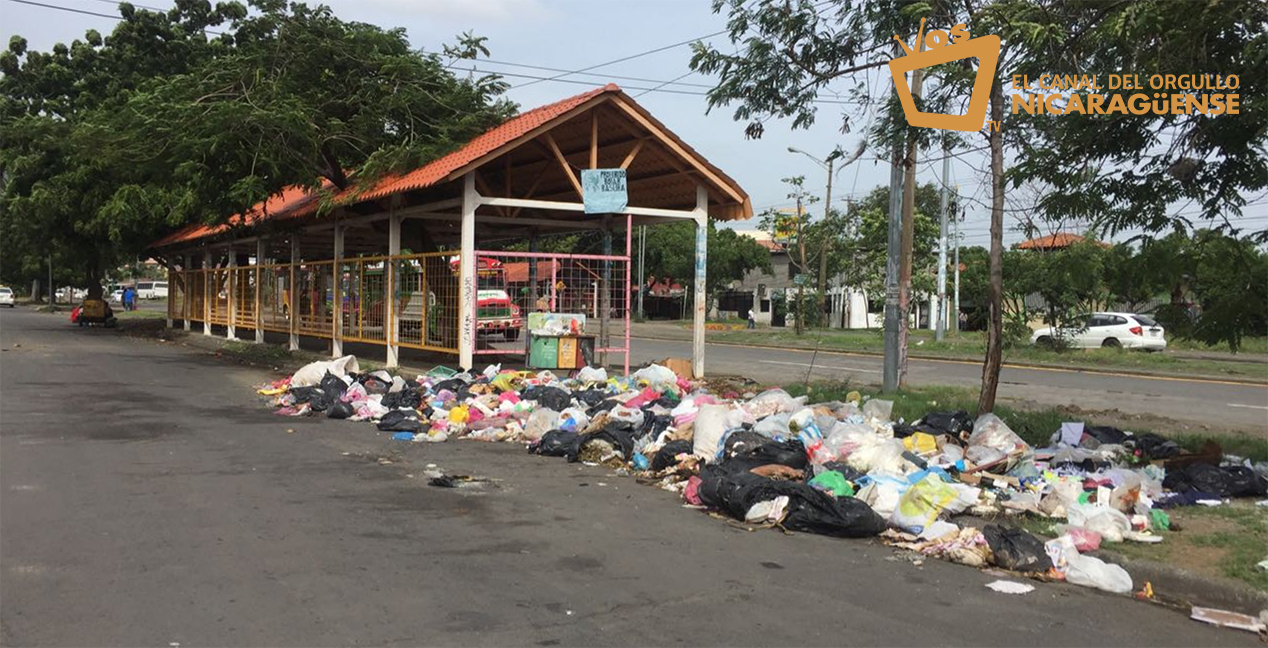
(1016, 365)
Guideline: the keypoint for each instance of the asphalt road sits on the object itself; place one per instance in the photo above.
(148, 497)
(1201, 402)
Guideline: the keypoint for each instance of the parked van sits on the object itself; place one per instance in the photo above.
(151, 290)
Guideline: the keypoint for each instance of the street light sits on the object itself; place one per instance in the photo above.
(827, 208)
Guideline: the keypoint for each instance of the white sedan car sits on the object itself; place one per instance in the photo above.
(6, 296)
(1109, 330)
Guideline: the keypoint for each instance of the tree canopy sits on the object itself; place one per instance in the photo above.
(200, 112)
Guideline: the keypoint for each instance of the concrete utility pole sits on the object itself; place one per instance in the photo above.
(52, 294)
(941, 331)
(956, 316)
(801, 284)
(889, 381)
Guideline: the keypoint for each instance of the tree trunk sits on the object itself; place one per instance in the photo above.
(995, 291)
(909, 232)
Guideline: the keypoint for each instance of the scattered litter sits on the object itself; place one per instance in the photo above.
(1010, 587)
(763, 458)
(1226, 619)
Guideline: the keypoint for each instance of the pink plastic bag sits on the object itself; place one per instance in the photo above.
(1084, 540)
(692, 492)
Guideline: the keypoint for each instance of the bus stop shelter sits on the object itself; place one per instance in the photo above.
(424, 259)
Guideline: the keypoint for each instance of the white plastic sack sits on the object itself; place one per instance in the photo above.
(311, 373)
(775, 425)
(878, 410)
(772, 401)
(592, 375)
(540, 422)
(708, 430)
(990, 431)
(629, 414)
(1094, 572)
(492, 371)
(656, 377)
(1111, 524)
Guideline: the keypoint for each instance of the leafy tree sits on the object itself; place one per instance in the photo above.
(110, 141)
(1230, 286)
(789, 53)
(671, 253)
(54, 188)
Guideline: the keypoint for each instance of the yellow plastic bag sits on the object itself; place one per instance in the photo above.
(459, 414)
(921, 443)
(922, 503)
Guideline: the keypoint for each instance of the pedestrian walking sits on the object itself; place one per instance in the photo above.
(752, 319)
(129, 298)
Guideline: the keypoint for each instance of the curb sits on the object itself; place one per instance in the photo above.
(1174, 585)
(1013, 365)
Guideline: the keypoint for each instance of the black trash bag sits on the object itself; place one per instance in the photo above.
(408, 398)
(903, 430)
(340, 410)
(665, 457)
(549, 397)
(617, 436)
(1200, 477)
(590, 397)
(1106, 434)
(333, 385)
(392, 400)
(400, 421)
(453, 385)
(555, 443)
(952, 423)
(1244, 482)
(789, 453)
(304, 394)
(1152, 446)
(602, 406)
(655, 424)
(741, 442)
(809, 510)
(320, 400)
(1016, 550)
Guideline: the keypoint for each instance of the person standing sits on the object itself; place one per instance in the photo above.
(129, 298)
(752, 319)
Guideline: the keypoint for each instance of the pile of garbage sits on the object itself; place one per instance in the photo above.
(843, 469)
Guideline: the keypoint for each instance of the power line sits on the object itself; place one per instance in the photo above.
(595, 74)
(96, 14)
(622, 59)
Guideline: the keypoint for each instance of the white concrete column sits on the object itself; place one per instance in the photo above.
(260, 251)
(702, 255)
(170, 271)
(391, 322)
(208, 295)
(467, 275)
(292, 296)
(336, 301)
(231, 291)
(186, 309)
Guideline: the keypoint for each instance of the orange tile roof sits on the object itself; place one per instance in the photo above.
(1050, 242)
(295, 202)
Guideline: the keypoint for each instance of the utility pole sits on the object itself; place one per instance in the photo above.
(940, 332)
(956, 317)
(893, 249)
(801, 283)
(51, 293)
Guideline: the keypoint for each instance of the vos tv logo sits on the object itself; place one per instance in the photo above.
(942, 49)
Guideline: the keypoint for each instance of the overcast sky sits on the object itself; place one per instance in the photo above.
(572, 34)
